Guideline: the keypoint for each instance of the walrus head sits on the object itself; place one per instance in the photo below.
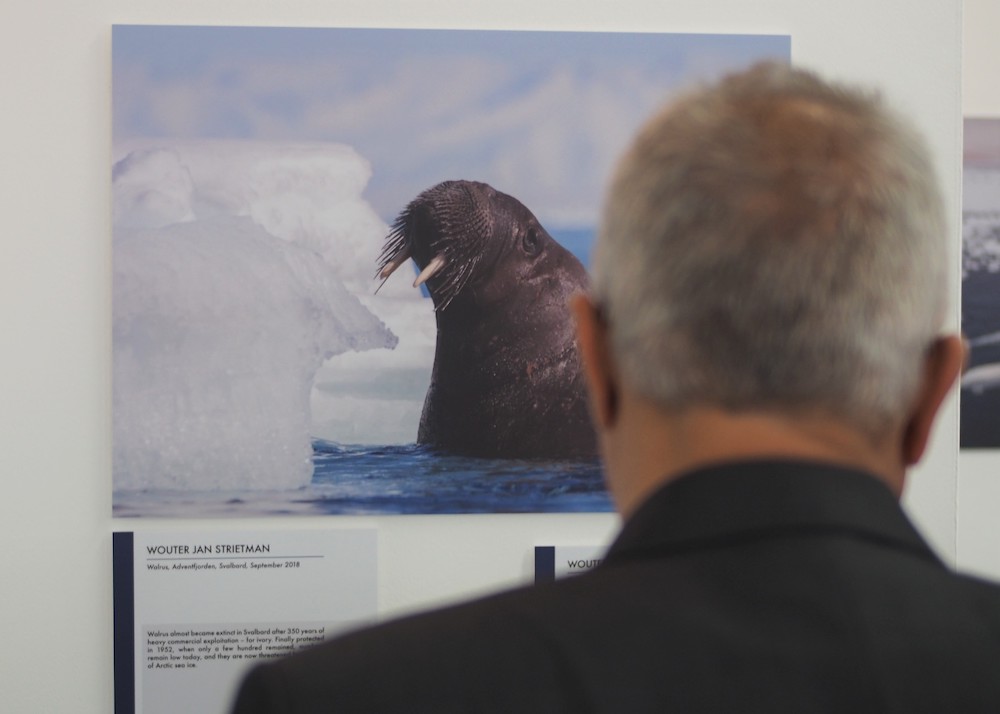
(458, 231)
(506, 379)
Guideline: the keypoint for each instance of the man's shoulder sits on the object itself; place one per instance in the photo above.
(499, 617)
(490, 654)
(513, 622)
(635, 629)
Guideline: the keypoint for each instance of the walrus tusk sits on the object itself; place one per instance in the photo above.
(437, 262)
(390, 267)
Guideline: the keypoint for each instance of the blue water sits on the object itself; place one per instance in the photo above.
(387, 480)
(416, 479)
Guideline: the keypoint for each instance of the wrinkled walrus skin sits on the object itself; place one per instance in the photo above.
(507, 380)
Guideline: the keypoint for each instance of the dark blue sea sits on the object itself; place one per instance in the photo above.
(390, 480)
(416, 479)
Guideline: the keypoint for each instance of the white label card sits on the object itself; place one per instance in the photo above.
(207, 606)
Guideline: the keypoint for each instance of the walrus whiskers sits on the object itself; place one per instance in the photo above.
(395, 252)
(391, 266)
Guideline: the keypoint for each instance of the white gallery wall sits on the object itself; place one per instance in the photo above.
(979, 470)
(55, 297)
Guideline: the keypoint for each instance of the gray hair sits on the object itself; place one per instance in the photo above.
(775, 242)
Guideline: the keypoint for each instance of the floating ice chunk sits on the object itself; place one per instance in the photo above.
(219, 330)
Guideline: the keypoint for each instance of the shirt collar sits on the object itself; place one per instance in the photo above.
(729, 503)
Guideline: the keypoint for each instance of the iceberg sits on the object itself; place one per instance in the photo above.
(241, 272)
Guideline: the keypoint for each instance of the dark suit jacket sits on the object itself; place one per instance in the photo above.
(759, 587)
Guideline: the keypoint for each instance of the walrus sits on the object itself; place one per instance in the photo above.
(506, 380)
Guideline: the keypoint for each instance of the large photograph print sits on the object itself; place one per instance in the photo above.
(980, 396)
(342, 260)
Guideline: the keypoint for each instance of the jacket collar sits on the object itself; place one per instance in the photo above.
(731, 503)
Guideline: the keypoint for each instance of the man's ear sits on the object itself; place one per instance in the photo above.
(595, 351)
(943, 363)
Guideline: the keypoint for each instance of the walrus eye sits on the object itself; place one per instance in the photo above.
(530, 242)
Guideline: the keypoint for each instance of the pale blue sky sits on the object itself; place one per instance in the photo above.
(540, 115)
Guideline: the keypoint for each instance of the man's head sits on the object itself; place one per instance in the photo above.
(774, 245)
